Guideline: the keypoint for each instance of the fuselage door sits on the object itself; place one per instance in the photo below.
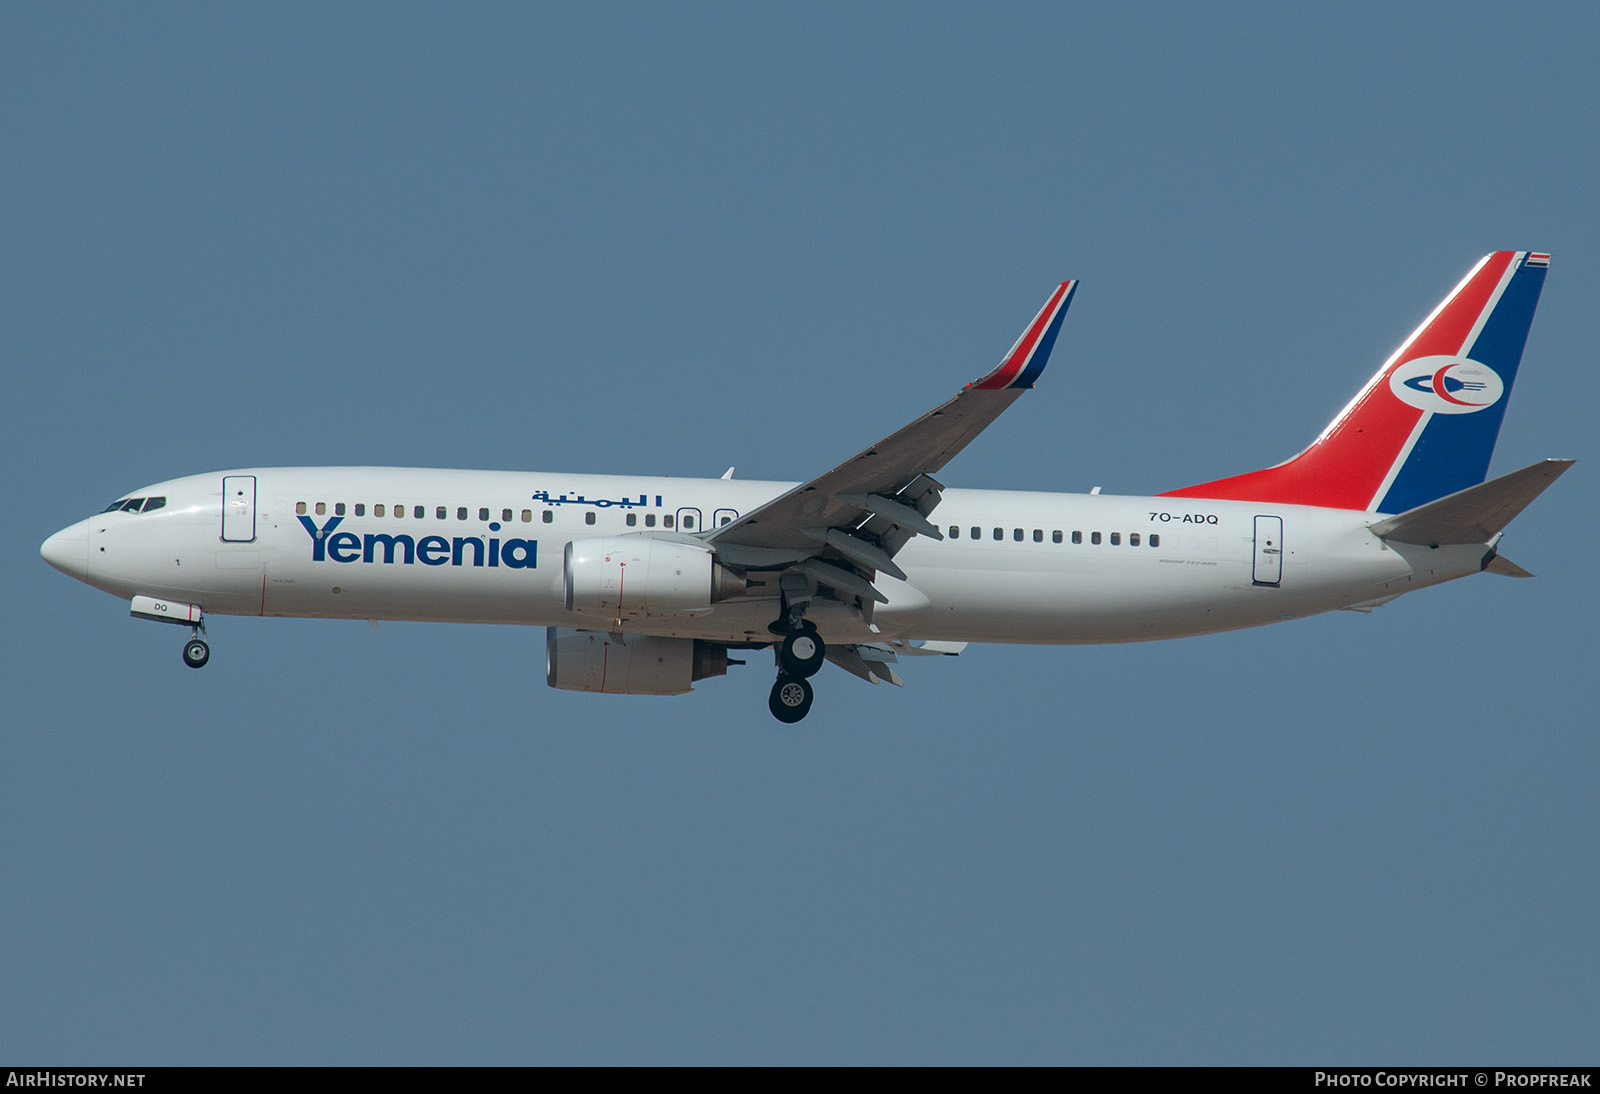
(1268, 568)
(238, 508)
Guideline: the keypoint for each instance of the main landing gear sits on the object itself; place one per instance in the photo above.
(791, 698)
(800, 655)
(802, 651)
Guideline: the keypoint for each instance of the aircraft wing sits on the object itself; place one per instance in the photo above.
(864, 510)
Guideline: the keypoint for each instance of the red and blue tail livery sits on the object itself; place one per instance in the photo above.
(1426, 424)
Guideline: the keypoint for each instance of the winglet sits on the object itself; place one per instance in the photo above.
(1026, 360)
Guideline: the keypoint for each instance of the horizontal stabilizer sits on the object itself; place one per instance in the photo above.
(1473, 515)
(1505, 567)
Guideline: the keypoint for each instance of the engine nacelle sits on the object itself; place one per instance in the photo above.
(628, 664)
(642, 576)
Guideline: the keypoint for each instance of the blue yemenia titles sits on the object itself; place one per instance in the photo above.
(385, 549)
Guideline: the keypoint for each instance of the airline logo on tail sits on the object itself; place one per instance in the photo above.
(1425, 425)
(1447, 385)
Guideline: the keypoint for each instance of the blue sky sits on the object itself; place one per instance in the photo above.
(628, 238)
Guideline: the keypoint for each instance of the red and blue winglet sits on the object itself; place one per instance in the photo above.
(1026, 360)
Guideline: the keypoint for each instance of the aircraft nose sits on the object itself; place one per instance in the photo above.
(68, 550)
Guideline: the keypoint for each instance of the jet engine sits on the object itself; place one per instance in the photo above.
(643, 576)
(628, 664)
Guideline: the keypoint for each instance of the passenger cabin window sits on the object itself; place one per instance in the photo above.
(527, 516)
(1133, 539)
(1055, 537)
(548, 516)
(377, 510)
(1094, 538)
(1077, 537)
(483, 514)
(322, 508)
(955, 533)
(666, 520)
(505, 515)
(440, 513)
(338, 509)
(999, 533)
(649, 520)
(977, 533)
(1155, 539)
(633, 518)
(361, 509)
(1116, 539)
(588, 518)
(417, 511)
(688, 521)
(461, 512)
(1016, 534)
(1038, 535)
(299, 508)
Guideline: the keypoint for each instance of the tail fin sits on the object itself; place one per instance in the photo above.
(1426, 424)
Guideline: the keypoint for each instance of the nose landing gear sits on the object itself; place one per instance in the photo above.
(195, 651)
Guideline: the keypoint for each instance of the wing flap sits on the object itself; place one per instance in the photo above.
(869, 661)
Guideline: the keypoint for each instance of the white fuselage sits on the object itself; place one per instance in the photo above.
(487, 547)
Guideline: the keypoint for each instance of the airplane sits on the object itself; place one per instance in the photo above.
(647, 584)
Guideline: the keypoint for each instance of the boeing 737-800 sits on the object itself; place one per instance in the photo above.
(646, 583)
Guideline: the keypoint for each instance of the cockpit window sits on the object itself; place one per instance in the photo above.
(134, 505)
